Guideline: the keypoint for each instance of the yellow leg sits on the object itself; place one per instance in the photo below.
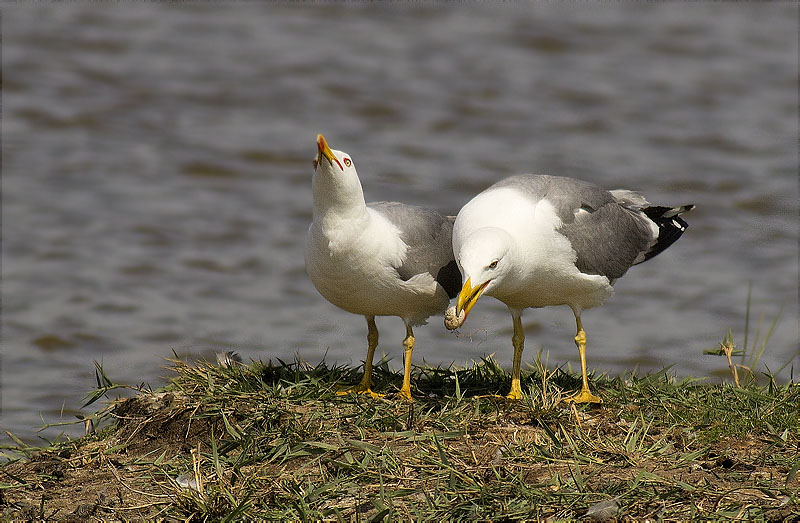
(518, 339)
(365, 385)
(585, 395)
(408, 349)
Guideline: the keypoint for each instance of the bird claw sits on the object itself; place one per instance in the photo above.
(359, 389)
(514, 395)
(405, 394)
(584, 396)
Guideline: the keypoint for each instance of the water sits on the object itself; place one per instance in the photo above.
(157, 175)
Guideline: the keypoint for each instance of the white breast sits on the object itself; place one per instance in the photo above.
(351, 263)
(545, 272)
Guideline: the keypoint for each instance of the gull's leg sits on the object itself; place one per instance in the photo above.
(372, 343)
(365, 385)
(518, 339)
(584, 396)
(408, 346)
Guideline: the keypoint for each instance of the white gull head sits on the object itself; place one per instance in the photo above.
(485, 265)
(335, 186)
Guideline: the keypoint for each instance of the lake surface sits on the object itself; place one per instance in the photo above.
(156, 183)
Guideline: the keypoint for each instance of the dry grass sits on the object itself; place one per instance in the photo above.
(275, 442)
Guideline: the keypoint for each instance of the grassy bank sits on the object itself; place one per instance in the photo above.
(277, 442)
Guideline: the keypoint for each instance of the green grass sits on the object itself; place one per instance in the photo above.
(276, 442)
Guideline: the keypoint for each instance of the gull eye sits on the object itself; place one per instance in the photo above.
(493, 265)
(315, 164)
(348, 162)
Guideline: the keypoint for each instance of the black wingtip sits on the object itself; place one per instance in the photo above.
(670, 226)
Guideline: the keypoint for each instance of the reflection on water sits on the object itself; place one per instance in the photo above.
(157, 171)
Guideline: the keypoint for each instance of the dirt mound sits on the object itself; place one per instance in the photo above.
(161, 422)
(98, 477)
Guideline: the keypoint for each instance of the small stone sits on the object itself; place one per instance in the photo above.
(452, 320)
(497, 460)
(188, 482)
(603, 511)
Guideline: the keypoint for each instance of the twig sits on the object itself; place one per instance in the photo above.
(198, 478)
(138, 507)
(114, 472)
(727, 347)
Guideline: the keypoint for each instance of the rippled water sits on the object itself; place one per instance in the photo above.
(157, 173)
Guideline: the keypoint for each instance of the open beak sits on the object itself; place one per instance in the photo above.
(469, 296)
(324, 150)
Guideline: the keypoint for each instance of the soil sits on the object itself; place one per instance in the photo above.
(110, 475)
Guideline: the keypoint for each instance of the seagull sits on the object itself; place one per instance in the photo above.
(538, 241)
(377, 259)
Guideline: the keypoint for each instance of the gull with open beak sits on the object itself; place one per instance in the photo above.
(377, 259)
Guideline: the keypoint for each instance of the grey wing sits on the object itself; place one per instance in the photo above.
(566, 195)
(608, 240)
(606, 230)
(609, 230)
(428, 235)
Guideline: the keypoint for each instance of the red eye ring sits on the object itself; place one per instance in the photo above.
(348, 162)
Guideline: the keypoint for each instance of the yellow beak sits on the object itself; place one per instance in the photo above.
(324, 150)
(469, 296)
